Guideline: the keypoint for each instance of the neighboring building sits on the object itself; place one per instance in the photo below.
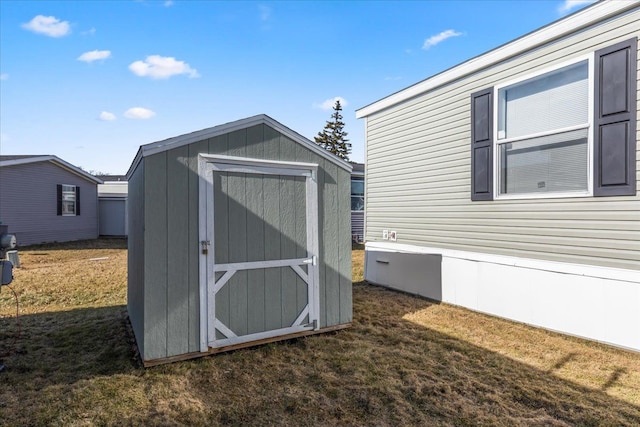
(357, 203)
(238, 235)
(112, 201)
(45, 199)
(518, 195)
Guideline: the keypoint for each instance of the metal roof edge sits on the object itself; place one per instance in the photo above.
(181, 140)
(590, 15)
(134, 164)
(54, 159)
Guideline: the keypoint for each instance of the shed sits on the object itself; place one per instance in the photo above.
(238, 235)
(112, 202)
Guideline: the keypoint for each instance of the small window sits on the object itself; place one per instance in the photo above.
(357, 194)
(68, 200)
(543, 128)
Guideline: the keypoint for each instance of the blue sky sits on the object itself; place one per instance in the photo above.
(91, 81)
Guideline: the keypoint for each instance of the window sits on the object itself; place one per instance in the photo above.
(357, 194)
(542, 141)
(68, 200)
(569, 131)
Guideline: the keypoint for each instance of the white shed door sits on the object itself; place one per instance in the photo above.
(260, 249)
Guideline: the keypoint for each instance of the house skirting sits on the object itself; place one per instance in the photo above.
(597, 303)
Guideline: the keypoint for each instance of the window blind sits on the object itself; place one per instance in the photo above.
(555, 100)
(554, 163)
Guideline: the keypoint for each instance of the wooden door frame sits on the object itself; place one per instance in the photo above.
(207, 164)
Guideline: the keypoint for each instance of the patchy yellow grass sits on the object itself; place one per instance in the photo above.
(599, 367)
(405, 361)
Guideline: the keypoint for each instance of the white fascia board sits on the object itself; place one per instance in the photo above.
(591, 15)
(189, 138)
(53, 159)
(621, 274)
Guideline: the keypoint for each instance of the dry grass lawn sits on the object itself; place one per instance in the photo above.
(405, 361)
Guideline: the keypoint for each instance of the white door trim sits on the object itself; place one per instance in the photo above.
(207, 164)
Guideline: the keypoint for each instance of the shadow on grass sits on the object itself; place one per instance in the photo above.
(389, 371)
(57, 348)
(384, 370)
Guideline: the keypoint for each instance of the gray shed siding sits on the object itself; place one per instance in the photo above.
(28, 204)
(112, 216)
(166, 256)
(136, 255)
(429, 203)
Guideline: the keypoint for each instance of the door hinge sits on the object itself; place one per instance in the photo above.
(205, 246)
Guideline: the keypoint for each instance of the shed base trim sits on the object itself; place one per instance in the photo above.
(187, 356)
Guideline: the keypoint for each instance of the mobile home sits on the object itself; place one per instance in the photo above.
(519, 191)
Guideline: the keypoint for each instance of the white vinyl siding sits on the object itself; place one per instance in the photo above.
(419, 173)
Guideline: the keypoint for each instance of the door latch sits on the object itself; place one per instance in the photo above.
(205, 246)
(313, 260)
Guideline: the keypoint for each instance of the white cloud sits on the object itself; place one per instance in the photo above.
(439, 38)
(107, 116)
(569, 5)
(94, 55)
(162, 67)
(168, 3)
(139, 113)
(48, 25)
(265, 12)
(90, 32)
(4, 76)
(329, 103)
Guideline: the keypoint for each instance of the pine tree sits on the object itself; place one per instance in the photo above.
(333, 138)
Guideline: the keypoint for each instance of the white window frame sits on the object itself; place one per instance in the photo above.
(497, 142)
(358, 178)
(74, 199)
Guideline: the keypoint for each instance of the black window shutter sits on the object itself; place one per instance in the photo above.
(77, 200)
(482, 145)
(615, 120)
(59, 198)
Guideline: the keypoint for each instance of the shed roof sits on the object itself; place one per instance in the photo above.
(586, 17)
(112, 178)
(358, 169)
(26, 159)
(179, 141)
